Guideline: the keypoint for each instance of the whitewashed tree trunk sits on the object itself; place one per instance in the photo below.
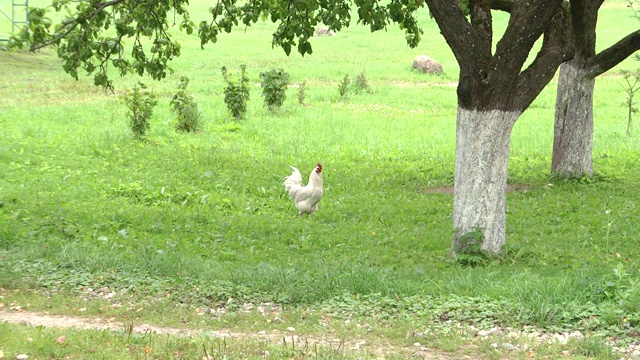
(573, 126)
(480, 181)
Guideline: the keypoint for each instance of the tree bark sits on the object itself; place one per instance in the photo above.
(573, 125)
(482, 155)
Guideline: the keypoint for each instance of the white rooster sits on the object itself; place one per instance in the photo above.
(305, 197)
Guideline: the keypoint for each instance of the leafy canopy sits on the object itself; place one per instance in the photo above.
(91, 36)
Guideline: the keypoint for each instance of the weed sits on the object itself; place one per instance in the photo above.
(467, 249)
(185, 108)
(622, 288)
(361, 83)
(140, 103)
(631, 87)
(343, 88)
(593, 347)
(302, 92)
(274, 87)
(236, 92)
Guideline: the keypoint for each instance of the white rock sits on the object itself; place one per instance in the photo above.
(576, 334)
(22, 357)
(425, 64)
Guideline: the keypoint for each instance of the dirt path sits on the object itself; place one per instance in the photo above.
(65, 322)
(28, 318)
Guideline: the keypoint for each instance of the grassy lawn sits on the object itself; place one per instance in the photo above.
(179, 223)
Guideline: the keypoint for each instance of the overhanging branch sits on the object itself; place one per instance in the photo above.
(614, 55)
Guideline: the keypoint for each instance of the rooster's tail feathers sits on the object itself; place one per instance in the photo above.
(294, 180)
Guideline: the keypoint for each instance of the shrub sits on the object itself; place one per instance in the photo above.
(631, 87)
(140, 103)
(301, 93)
(274, 87)
(236, 93)
(361, 83)
(343, 88)
(185, 108)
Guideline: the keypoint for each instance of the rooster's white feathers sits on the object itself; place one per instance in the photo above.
(305, 197)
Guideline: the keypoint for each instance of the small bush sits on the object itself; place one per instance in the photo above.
(301, 93)
(631, 87)
(361, 83)
(274, 87)
(343, 88)
(236, 93)
(185, 108)
(140, 103)
(468, 249)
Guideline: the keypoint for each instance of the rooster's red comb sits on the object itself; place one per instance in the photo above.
(319, 168)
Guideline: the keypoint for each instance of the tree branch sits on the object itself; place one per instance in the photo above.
(481, 22)
(458, 33)
(502, 5)
(75, 22)
(557, 47)
(614, 55)
(529, 20)
(584, 14)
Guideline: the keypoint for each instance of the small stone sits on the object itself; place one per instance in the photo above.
(291, 328)
(494, 331)
(419, 335)
(22, 357)
(509, 346)
(277, 320)
(576, 334)
(417, 344)
(24, 322)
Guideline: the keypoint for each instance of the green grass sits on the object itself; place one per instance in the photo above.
(204, 216)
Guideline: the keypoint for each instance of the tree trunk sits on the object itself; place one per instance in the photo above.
(480, 181)
(573, 126)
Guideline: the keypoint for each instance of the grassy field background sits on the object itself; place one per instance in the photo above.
(203, 217)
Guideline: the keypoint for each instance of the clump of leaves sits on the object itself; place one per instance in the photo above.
(236, 93)
(301, 93)
(140, 103)
(185, 108)
(468, 249)
(274, 87)
(361, 83)
(343, 88)
(623, 288)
